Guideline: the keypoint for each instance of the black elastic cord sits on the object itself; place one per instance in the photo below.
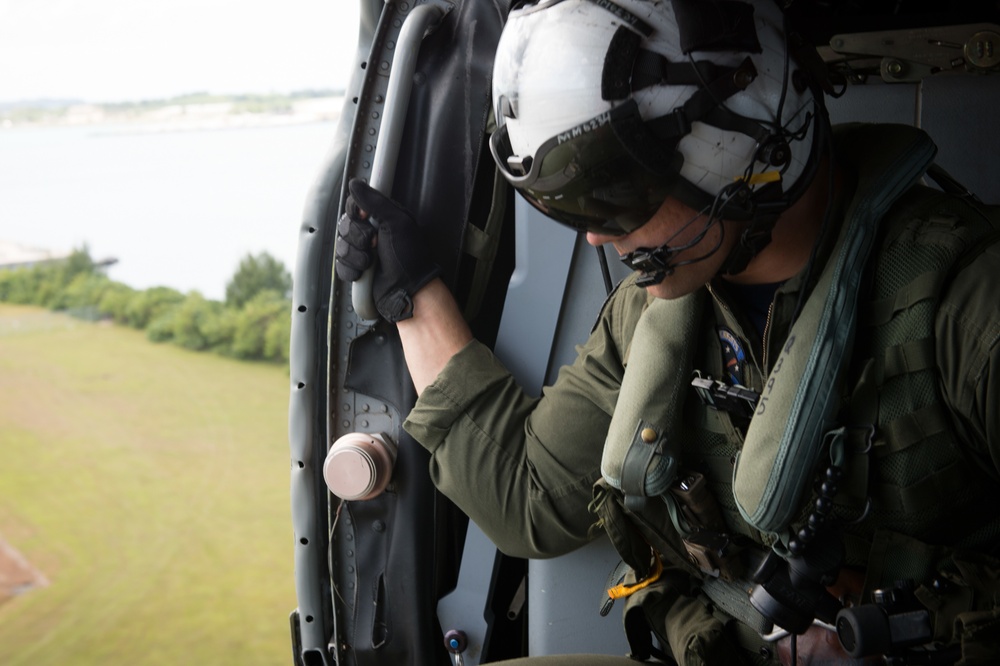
(602, 258)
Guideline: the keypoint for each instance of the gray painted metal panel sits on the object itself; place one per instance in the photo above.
(544, 255)
(876, 103)
(958, 110)
(462, 609)
(555, 296)
(960, 113)
(565, 596)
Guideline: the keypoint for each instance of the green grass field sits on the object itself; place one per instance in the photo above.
(149, 485)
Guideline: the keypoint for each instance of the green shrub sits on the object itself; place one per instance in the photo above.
(278, 336)
(48, 288)
(220, 330)
(145, 306)
(47, 284)
(161, 328)
(193, 321)
(257, 274)
(253, 321)
(77, 263)
(9, 284)
(84, 290)
(25, 286)
(6, 279)
(114, 302)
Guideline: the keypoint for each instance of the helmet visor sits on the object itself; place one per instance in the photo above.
(586, 178)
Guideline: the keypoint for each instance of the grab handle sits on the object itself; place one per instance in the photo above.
(420, 21)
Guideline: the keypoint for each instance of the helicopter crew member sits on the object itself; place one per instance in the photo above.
(784, 417)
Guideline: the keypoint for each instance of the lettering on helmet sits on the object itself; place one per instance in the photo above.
(628, 17)
(584, 127)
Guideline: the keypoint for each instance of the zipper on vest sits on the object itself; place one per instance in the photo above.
(764, 339)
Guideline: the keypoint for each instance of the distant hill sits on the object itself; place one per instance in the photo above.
(38, 104)
(199, 110)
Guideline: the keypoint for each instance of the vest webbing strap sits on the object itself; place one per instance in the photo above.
(921, 288)
(909, 357)
(732, 598)
(856, 549)
(646, 443)
(909, 429)
(923, 494)
(862, 412)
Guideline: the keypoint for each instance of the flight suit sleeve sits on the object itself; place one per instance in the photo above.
(521, 467)
(968, 348)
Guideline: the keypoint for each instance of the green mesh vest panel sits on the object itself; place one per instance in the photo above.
(922, 484)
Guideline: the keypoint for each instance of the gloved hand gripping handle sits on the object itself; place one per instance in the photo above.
(421, 20)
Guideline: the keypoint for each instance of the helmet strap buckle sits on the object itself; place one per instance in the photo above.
(653, 264)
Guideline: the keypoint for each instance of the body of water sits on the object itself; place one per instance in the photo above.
(178, 209)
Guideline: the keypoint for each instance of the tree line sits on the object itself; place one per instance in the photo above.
(253, 323)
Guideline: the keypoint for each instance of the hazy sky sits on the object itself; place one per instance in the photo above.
(115, 50)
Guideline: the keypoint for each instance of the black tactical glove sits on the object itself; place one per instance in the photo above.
(403, 262)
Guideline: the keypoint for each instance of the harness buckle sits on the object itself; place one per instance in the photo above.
(737, 400)
(715, 554)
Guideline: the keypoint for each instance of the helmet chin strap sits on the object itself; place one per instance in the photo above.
(753, 239)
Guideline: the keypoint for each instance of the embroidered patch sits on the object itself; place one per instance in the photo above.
(733, 356)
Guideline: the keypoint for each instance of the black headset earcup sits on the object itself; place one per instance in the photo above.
(774, 151)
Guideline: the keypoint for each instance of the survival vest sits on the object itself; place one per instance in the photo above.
(854, 389)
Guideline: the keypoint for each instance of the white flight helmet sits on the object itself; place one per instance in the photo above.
(606, 107)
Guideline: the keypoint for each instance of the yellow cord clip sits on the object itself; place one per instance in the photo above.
(760, 178)
(622, 590)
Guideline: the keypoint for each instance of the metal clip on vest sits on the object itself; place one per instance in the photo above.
(737, 400)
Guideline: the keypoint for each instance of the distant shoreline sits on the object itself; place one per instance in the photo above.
(188, 113)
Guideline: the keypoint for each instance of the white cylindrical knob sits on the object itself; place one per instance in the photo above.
(359, 466)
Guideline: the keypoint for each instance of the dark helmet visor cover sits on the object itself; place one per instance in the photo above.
(586, 178)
